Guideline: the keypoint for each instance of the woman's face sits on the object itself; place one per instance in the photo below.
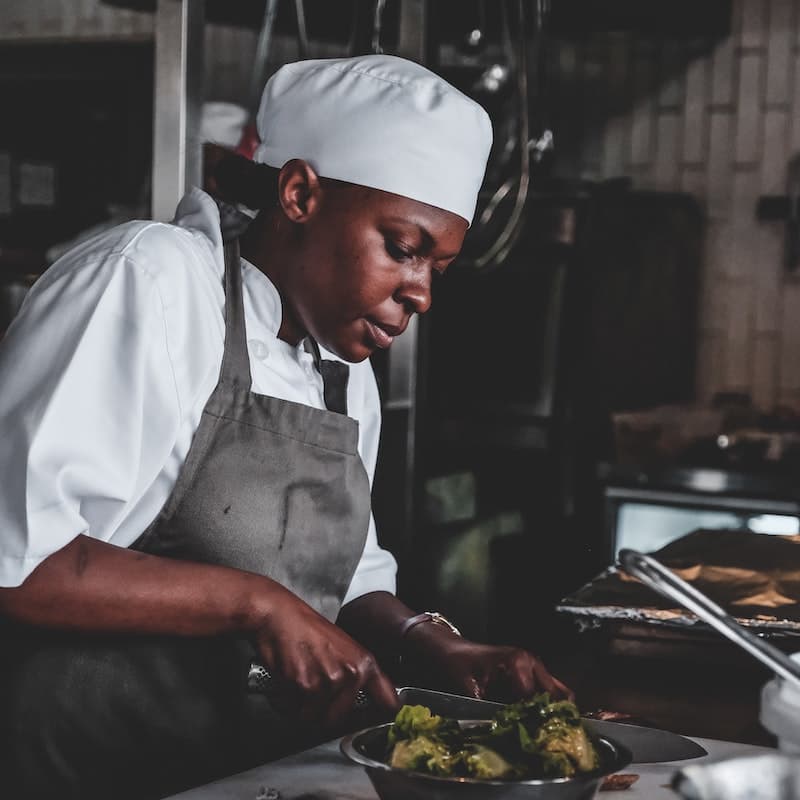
(362, 264)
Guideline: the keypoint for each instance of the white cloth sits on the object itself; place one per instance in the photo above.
(104, 375)
(764, 777)
(378, 121)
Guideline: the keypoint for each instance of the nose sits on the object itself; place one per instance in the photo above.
(415, 291)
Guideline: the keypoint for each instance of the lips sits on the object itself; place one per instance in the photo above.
(383, 333)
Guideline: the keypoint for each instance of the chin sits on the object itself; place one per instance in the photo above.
(352, 352)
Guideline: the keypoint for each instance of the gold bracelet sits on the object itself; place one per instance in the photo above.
(428, 616)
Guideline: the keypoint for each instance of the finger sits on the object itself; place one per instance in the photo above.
(544, 679)
(564, 690)
(521, 679)
(309, 688)
(381, 691)
(341, 707)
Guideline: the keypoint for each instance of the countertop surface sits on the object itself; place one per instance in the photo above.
(323, 773)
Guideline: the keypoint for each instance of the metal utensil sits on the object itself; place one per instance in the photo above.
(647, 745)
(658, 577)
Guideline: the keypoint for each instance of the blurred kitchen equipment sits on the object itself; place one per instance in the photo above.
(663, 580)
(369, 746)
(780, 711)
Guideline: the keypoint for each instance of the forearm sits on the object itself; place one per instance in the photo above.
(91, 585)
(377, 620)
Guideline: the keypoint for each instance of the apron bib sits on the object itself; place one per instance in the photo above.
(268, 486)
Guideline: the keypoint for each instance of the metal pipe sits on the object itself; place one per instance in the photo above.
(262, 53)
(302, 32)
(178, 86)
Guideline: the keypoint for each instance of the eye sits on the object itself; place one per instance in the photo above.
(397, 252)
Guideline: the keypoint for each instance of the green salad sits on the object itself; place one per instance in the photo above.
(524, 741)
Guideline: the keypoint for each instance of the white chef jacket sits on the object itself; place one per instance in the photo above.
(104, 375)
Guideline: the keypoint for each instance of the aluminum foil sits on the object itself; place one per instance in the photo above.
(754, 577)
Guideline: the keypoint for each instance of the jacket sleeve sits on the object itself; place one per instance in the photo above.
(88, 406)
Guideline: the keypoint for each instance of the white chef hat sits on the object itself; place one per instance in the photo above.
(378, 121)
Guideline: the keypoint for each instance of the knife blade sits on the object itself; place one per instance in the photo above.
(648, 745)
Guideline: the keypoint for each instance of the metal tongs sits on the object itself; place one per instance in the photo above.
(658, 577)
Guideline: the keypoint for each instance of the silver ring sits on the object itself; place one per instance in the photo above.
(362, 700)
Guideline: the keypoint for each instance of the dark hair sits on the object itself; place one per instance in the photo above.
(240, 180)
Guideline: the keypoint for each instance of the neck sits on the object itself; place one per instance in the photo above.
(263, 245)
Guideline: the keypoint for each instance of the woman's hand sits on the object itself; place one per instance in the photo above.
(450, 663)
(318, 667)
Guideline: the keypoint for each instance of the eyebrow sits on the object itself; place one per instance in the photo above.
(426, 236)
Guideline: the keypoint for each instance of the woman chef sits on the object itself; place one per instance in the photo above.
(189, 436)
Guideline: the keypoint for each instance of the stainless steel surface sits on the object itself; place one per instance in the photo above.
(377, 26)
(263, 46)
(402, 369)
(647, 745)
(412, 39)
(177, 102)
(368, 748)
(663, 580)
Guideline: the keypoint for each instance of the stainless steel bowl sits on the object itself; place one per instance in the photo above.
(368, 748)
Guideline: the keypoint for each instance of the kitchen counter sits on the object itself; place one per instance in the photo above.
(323, 773)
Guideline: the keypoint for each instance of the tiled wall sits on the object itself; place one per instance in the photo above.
(721, 120)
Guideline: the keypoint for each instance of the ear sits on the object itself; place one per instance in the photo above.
(299, 190)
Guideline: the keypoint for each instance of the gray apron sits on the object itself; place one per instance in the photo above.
(269, 486)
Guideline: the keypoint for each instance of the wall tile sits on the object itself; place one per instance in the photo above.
(779, 50)
(61, 19)
(616, 146)
(715, 297)
(776, 152)
(794, 141)
(768, 276)
(789, 363)
(748, 112)
(724, 73)
(764, 378)
(710, 366)
(12, 20)
(743, 225)
(752, 20)
(671, 74)
(693, 181)
(669, 128)
(643, 122)
(695, 142)
(739, 338)
(617, 77)
(720, 164)
(789, 398)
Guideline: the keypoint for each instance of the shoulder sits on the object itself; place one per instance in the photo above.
(175, 258)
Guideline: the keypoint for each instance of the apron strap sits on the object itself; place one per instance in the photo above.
(235, 368)
(235, 358)
(335, 376)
